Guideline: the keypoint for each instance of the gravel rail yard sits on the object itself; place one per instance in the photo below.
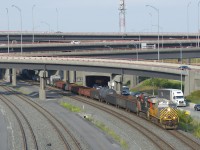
(136, 131)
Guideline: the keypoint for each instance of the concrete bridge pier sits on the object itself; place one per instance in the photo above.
(192, 82)
(65, 75)
(7, 75)
(14, 80)
(118, 80)
(42, 93)
(72, 76)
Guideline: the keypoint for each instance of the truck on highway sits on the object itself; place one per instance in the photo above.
(148, 46)
(175, 95)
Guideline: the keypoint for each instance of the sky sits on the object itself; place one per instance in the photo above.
(99, 15)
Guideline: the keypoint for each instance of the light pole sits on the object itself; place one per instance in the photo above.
(57, 18)
(33, 23)
(150, 21)
(21, 23)
(161, 28)
(198, 22)
(8, 31)
(188, 19)
(136, 51)
(157, 10)
(181, 57)
(46, 24)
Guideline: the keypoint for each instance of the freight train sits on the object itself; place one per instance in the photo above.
(158, 110)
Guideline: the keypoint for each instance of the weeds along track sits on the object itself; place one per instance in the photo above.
(20, 117)
(156, 140)
(69, 141)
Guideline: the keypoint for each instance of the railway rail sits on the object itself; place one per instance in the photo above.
(58, 125)
(156, 140)
(160, 143)
(14, 110)
(188, 141)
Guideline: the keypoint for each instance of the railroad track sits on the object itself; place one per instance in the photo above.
(17, 112)
(156, 140)
(188, 141)
(183, 138)
(58, 125)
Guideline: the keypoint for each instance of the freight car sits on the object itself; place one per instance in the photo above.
(161, 110)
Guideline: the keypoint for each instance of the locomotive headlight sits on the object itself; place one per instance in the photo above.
(168, 109)
(165, 117)
(174, 118)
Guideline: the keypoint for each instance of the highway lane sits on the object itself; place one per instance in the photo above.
(120, 49)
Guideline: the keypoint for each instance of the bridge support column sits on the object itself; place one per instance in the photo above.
(192, 82)
(134, 81)
(118, 80)
(65, 75)
(7, 75)
(14, 80)
(72, 76)
(42, 92)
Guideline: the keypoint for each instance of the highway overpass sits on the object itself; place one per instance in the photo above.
(63, 36)
(140, 68)
(115, 49)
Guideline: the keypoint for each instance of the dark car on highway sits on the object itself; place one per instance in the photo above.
(197, 107)
(184, 68)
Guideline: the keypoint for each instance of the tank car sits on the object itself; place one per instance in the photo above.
(94, 94)
(103, 92)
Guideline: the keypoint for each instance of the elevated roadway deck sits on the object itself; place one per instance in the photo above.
(140, 68)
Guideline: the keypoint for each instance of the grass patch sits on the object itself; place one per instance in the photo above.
(70, 107)
(188, 124)
(194, 97)
(153, 84)
(109, 132)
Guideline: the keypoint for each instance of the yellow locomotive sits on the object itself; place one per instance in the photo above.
(160, 110)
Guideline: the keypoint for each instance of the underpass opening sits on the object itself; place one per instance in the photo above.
(92, 81)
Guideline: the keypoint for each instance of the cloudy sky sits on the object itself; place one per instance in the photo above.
(99, 15)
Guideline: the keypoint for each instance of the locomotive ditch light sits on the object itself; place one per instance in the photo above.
(168, 109)
(174, 118)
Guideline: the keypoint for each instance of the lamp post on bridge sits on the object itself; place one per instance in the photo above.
(8, 31)
(33, 23)
(181, 57)
(136, 51)
(57, 18)
(188, 19)
(20, 23)
(157, 10)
